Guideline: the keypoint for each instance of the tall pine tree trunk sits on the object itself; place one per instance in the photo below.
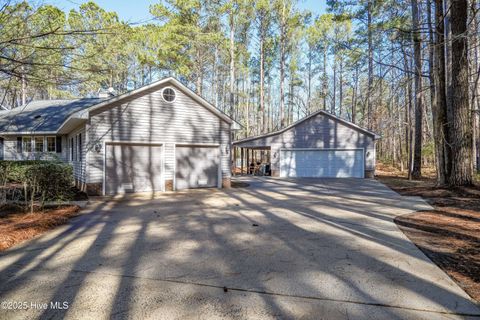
(262, 81)
(408, 116)
(282, 65)
(324, 79)
(460, 127)
(475, 87)
(215, 77)
(439, 109)
(370, 64)
(333, 106)
(309, 84)
(431, 67)
(232, 64)
(354, 96)
(24, 88)
(199, 74)
(417, 54)
(282, 88)
(340, 94)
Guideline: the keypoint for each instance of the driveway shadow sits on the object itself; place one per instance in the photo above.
(277, 249)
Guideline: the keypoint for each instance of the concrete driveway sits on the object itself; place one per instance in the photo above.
(310, 249)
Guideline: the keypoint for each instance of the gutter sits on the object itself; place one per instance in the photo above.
(28, 133)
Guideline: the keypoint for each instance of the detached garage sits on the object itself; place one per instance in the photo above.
(320, 145)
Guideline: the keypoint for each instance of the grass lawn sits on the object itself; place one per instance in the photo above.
(17, 226)
(450, 234)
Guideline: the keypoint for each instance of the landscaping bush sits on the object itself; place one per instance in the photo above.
(14, 171)
(40, 180)
(51, 180)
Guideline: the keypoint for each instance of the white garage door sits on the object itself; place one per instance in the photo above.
(328, 163)
(133, 168)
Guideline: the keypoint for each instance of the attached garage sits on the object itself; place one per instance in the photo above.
(197, 167)
(318, 163)
(320, 145)
(160, 137)
(133, 168)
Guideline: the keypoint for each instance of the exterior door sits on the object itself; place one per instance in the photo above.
(196, 167)
(317, 163)
(133, 168)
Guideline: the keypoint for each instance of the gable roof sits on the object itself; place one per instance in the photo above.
(55, 116)
(44, 116)
(323, 112)
(160, 83)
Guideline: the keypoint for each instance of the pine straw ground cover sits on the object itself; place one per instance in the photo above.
(450, 234)
(17, 226)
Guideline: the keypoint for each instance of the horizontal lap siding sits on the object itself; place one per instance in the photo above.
(10, 149)
(318, 132)
(148, 118)
(79, 167)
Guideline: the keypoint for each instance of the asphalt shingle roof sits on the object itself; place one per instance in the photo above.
(42, 115)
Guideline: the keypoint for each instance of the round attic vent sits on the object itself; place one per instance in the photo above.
(168, 94)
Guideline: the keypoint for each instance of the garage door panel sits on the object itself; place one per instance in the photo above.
(321, 163)
(133, 168)
(196, 167)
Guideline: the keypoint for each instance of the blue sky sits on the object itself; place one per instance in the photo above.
(137, 11)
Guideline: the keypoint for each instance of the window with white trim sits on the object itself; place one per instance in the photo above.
(27, 144)
(39, 144)
(51, 144)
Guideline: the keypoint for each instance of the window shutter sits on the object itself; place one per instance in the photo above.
(72, 150)
(59, 145)
(19, 144)
(1, 148)
(75, 154)
(80, 150)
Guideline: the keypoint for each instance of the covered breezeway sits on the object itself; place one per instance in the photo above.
(251, 161)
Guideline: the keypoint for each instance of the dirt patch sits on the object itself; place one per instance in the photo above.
(451, 239)
(450, 234)
(16, 226)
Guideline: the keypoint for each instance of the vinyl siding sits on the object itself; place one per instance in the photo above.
(79, 167)
(318, 132)
(145, 118)
(10, 149)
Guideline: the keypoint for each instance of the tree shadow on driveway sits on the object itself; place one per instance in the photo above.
(272, 250)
